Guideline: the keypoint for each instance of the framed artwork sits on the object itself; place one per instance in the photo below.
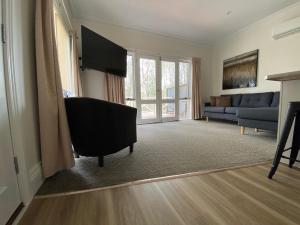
(240, 71)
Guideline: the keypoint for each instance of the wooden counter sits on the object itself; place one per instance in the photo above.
(284, 76)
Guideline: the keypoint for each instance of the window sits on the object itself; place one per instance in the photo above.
(185, 72)
(63, 43)
(130, 83)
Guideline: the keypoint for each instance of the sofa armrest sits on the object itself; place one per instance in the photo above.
(123, 125)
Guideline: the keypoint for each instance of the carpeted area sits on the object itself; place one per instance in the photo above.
(168, 149)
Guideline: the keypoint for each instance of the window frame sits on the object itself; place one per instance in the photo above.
(189, 83)
(133, 99)
(189, 79)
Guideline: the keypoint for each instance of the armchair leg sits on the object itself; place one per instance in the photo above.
(131, 148)
(100, 160)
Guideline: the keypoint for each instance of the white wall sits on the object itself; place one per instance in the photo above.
(275, 56)
(23, 96)
(93, 82)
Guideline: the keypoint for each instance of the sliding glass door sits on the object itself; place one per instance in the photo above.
(158, 88)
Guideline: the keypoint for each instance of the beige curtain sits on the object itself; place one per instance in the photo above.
(75, 66)
(196, 88)
(115, 88)
(56, 150)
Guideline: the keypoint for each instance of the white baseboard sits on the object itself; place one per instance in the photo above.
(36, 177)
(19, 217)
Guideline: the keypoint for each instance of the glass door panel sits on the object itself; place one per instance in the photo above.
(148, 92)
(169, 90)
(185, 71)
(148, 111)
(168, 110)
(148, 79)
(168, 80)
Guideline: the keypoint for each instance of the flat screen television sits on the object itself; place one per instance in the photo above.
(101, 54)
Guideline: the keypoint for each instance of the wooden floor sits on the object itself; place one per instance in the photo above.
(239, 196)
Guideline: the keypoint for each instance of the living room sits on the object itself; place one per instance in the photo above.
(138, 112)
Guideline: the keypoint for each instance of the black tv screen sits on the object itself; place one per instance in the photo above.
(102, 54)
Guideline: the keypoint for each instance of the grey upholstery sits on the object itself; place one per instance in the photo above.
(222, 116)
(275, 101)
(215, 109)
(236, 100)
(266, 114)
(258, 110)
(263, 125)
(257, 100)
(231, 110)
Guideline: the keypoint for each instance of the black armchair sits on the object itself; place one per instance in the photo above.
(100, 128)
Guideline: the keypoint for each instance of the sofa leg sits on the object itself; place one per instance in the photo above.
(242, 130)
(100, 160)
(131, 148)
(256, 130)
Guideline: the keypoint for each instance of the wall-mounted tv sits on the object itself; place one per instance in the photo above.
(101, 54)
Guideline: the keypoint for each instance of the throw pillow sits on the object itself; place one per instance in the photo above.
(223, 101)
(213, 100)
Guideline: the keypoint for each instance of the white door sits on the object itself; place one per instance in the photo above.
(9, 190)
(148, 92)
(169, 90)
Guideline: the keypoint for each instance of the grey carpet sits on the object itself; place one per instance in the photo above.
(168, 149)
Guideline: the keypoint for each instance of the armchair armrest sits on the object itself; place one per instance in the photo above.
(123, 125)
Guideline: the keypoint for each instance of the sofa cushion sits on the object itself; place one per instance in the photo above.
(275, 101)
(223, 101)
(214, 109)
(236, 100)
(213, 100)
(231, 110)
(265, 114)
(256, 100)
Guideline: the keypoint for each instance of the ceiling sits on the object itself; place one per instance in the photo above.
(201, 21)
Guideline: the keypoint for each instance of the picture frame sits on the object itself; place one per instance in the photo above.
(241, 71)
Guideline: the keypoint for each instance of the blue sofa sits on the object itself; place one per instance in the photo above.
(259, 110)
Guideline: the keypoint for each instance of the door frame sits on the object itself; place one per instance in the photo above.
(176, 99)
(189, 81)
(12, 190)
(139, 100)
(15, 104)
